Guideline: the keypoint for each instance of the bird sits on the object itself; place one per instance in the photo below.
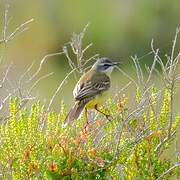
(92, 89)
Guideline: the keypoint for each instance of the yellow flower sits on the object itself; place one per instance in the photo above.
(64, 173)
(73, 171)
(64, 141)
(33, 167)
(122, 101)
(26, 154)
(57, 149)
(50, 143)
(80, 152)
(92, 152)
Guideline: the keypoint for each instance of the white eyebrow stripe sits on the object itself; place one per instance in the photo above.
(109, 64)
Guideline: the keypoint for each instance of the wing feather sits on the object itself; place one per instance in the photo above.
(96, 85)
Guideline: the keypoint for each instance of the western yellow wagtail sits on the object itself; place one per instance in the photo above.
(91, 89)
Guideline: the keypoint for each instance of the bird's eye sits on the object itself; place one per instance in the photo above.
(107, 65)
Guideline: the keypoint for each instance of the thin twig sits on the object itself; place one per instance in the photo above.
(58, 89)
(42, 62)
(21, 28)
(36, 82)
(174, 45)
(153, 64)
(5, 23)
(5, 75)
(176, 165)
(172, 75)
(26, 72)
(4, 100)
(125, 74)
(158, 147)
(23, 102)
(137, 68)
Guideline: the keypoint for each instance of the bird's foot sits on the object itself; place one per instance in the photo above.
(109, 117)
(86, 127)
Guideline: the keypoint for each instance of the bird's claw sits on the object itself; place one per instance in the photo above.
(109, 117)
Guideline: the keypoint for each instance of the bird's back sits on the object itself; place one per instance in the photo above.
(92, 80)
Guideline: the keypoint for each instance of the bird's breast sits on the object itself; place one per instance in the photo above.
(98, 99)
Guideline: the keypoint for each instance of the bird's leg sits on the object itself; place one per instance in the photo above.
(86, 116)
(109, 117)
(86, 126)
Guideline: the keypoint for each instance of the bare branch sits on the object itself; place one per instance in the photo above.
(36, 82)
(4, 101)
(147, 54)
(71, 64)
(125, 74)
(24, 74)
(159, 60)
(58, 89)
(158, 147)
(43, 61)
(169, 170)
(23, 102)
(5, 23)
(86, 48)
(137, 68)
(5, 76)
(91, 58)
(77, 47)
(19, 30)
(125, 87)
(153, 64)
(174, 45)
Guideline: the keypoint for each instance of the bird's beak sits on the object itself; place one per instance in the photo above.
(116, 63)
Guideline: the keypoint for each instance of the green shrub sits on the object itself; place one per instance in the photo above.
(33, 144)
(133, 145)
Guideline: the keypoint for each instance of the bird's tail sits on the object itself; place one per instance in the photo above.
(74, 113)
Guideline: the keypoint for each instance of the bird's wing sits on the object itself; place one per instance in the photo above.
(95, 85)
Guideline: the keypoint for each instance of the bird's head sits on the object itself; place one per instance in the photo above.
(104, 65)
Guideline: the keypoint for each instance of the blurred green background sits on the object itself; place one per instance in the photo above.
(118, 29)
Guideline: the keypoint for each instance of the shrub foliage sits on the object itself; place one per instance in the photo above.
(136, 144)
(33, 144)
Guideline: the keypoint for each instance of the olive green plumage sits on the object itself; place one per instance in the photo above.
(92, 88)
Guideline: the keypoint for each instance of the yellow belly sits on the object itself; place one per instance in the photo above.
(99, 100)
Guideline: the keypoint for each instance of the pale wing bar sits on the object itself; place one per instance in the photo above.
(92, 90)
